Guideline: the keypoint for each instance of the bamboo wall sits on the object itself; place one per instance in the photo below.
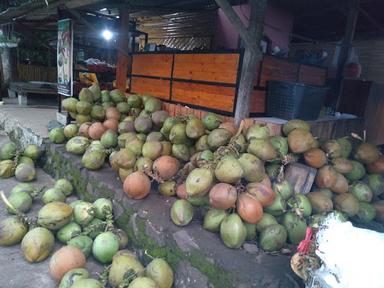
(36, 73)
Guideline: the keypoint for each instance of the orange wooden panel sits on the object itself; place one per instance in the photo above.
(156, 87)
(122, 67)
(209, 96)
(257, 104)
(213, 67)
(312, 75)
(159, 65)
(278, 69)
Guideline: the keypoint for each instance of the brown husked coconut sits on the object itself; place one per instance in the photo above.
(166, 167)
(341, 184)
(300, 140)
(96, 130)
(326, 177)
(137, 185)
(315, 158)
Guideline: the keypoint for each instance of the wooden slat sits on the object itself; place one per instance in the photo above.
(36, 73)
(277, 69)
(312, 75)
(208, 96)
(156, 87)
(159, 65)
(220, 68)
(257, 104)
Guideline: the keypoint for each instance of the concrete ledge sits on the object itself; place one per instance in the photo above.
(198, 257)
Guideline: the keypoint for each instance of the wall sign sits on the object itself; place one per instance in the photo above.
(65, 57)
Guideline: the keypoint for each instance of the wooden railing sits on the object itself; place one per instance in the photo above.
(36, 73)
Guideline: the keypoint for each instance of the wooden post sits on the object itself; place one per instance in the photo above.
(252, 54)
(123, 45)
(7, 66)
(346, 44)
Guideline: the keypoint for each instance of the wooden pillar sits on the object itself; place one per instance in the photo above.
(123, 48)
(251, 37)
(346, 45)
(7, 67)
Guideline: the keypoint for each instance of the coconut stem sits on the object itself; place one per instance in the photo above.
(103, 275)
(129, 276)
(24, 218)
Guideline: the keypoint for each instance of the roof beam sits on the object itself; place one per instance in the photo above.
(373, 21)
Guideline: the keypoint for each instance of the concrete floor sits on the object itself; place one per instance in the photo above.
(15, 272)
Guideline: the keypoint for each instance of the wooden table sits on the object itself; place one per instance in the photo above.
(25, 89)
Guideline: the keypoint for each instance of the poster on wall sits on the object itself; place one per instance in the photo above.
(65, 57)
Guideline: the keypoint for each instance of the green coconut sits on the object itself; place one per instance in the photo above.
(93, 159)
(181, 152)
(155, 136)
(71, 130)
(134, 101)
(229, 170)
(332, 148)
(202, 143)
(278, 206)
(159, 117)
(218, 137)
(295, 226)
(117, 96)
(160, 271)
(213, 219)
(103, 208)
(284, 189)
(272, 170)
(262, 148)
(152, 150)
(320, 202)
(68, 232)
(365, 214)
(251, 232)
(7, 169)
(54, 215)
(122, 263)
(83, 213)
(25, 172)
(105, 96)
(108, 104)
(199, 200)
(199, 181)
(252, 166)
(69, 104)
(8, 151)
(326, 191)
(86, 95)
(153, 105)
(105, 246)
(195, 128)
(98, 112)
(177, 134)
(26, 160)
(77, 145)
(168, 124)
(265, 221)
(126, 126)
(367, 153)
(258, 131)
(37, 244)
(300, 141)
(168, 188)
(346, 203)
(346, 147)
(64, 185)
(56, 135)
(123, 107)
(95, 228)
(181, 212)
(211, 121)
(72, 276)
(124, 138)
(142, 136)
(143, 164)
(21, 201)
(357, 172)
(342, 165)
(96, 93)
(143, 124)
(273, 238)
(233, 231)
(87, 283)
(125, 159)
(12, 231)
(145, 113)
(280, 144)
(135, 145)
(109, 139)
(23, 187)
(294, 124)
(316, 220)
(143, 282)
(300, 204)
(122, 237)
(53, 195)
(361, 191)
(83, 242)
(376, 183)
(80, 119)
(83, 107)
(32, 151)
